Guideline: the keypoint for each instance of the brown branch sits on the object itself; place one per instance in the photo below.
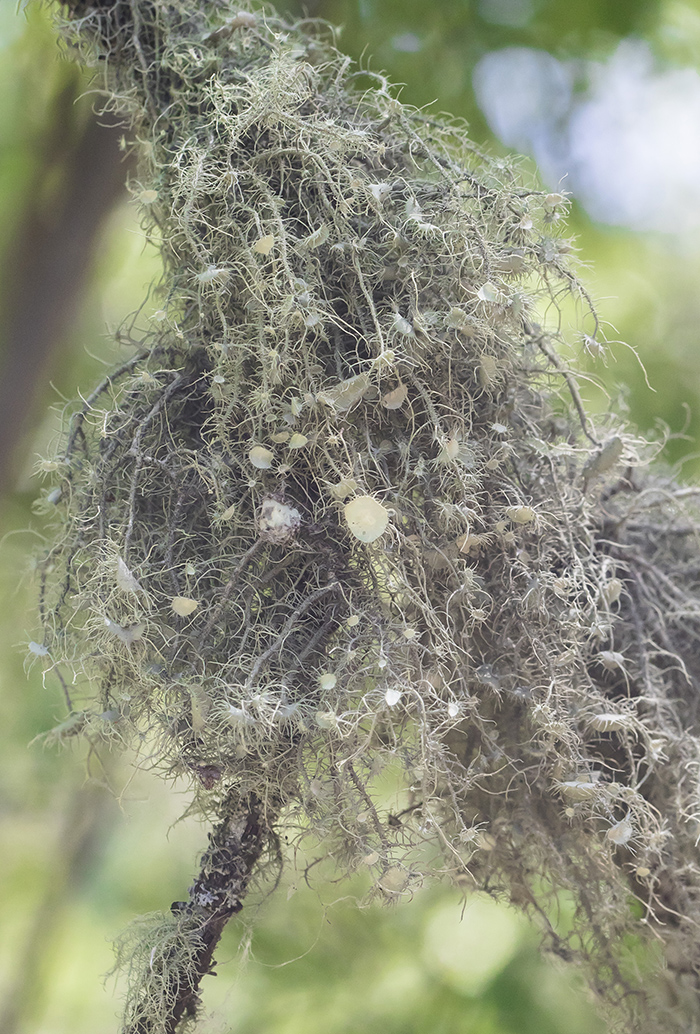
(235, 847)
(48, 258)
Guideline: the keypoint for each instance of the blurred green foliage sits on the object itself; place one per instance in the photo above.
(81, 859)
(449, 38)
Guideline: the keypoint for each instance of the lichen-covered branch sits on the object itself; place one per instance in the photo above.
(345, 513)
(170, 955)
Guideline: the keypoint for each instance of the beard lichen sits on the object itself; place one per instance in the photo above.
(336, 516)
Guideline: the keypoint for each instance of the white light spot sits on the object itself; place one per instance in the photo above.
(407, 43)
(630, 146)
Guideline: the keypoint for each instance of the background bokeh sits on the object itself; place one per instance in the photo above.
(604, 100)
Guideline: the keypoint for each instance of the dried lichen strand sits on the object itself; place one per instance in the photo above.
(333, 519)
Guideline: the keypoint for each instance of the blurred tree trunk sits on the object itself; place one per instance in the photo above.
(79, 178)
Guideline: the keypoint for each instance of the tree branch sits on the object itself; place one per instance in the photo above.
(235, 847)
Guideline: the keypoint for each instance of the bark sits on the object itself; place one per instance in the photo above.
(228, 864)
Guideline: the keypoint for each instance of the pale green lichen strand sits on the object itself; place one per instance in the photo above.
(349, 313)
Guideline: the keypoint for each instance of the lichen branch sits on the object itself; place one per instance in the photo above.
(168, 993)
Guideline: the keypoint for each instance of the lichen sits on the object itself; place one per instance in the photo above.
(343, 510)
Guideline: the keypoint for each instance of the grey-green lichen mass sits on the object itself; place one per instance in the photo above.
(341, 512)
